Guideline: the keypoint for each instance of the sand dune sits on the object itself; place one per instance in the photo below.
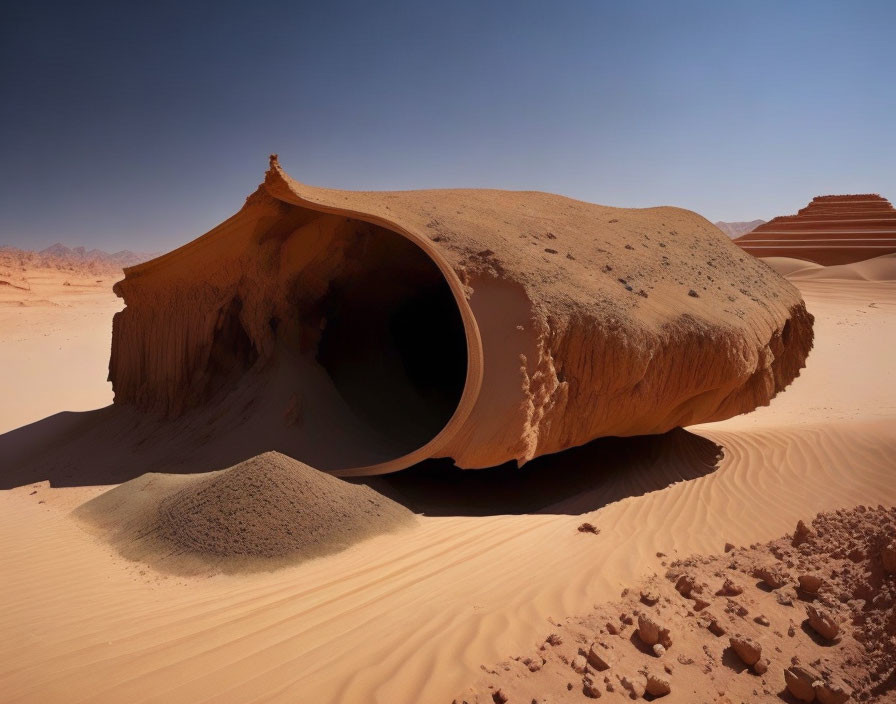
(410, 617)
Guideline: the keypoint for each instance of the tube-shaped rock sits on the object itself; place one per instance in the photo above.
(377, 329)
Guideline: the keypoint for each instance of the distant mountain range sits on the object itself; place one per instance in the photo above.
(75, 259)
(83, 255)
(736, 229)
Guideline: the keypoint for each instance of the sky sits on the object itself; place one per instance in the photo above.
(143, 125)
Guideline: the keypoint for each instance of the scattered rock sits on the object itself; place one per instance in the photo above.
(659, 650)
(700, 604)
(589, 528)
(716, 628)
(657, 686)
(651, 632)
(636, 685)
(686, 585)
(729, 547)
(801, 534)
(590, 687)
(747, 649)
(832, 690)
(611, 628)
(554, 639)
(760, 667)
(649, 598)
(579, 663)
(499, 697)
(762, 620)
(597, 658)
(888, 557)
(800, 682)
(785, 597)
(729, 588)
(822, 622)
(810, 583)
(773, 575)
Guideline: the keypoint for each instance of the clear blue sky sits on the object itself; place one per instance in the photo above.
(142, 125)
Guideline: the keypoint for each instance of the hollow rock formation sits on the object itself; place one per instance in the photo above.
(830, 230)
(382, 328)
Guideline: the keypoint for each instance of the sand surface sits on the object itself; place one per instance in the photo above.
(55, 334)
(411, 616)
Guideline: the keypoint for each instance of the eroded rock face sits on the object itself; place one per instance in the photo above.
(377, 329)
(830, 230)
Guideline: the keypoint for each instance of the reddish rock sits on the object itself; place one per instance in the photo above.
(800, 681)
(823, 622)
(747, 649)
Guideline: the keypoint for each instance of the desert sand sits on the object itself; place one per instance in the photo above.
(493, 564)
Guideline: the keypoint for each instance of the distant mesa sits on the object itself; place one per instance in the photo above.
(736, 229)
(838, 229)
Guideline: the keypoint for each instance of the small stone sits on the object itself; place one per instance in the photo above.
(597, 658)
(686, 584)
(648, 629)
(762, 620)
(810, 583)
(832, 691)
(589, 528)
(499, 697)
(693, 294)
(657, 686)
(785, 597)
(626, 619)
(716, 628)
(651, 632)
(636, 685)
(554, 639)
(760, 667)
(822, 622)
(773, 575)
(649, 598)
(791, 631)
(801, 534)
(729, 547)
(888, 557)
(747, 649)
(590, 688)
(659, 650)
(730, 588)
(611, 628)
(800, 682)
(700, 604)
(579, 663)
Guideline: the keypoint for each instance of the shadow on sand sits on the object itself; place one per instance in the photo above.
(114, 444)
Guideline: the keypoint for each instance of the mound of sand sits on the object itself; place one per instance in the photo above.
(881, 268)
(788, 265)
(480, 325)
(267, 507)
(808, 617)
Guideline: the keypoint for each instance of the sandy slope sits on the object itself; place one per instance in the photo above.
(55, 334)
(410, 617)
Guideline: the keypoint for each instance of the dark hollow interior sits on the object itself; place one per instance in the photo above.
(392, 339)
